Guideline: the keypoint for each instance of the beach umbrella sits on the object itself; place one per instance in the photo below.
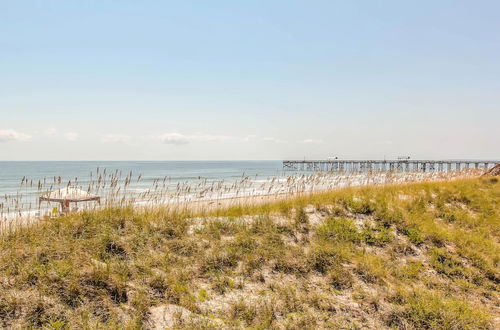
(69, 195)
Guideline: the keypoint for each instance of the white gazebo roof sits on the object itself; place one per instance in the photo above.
(69, 194)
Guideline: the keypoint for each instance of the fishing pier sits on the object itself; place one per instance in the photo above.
(399, 165)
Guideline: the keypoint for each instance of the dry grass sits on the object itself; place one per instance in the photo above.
(420, 255)
(118, 189)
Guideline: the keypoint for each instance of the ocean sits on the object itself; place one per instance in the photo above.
(22, 182)
(119, 183)
(12, 172)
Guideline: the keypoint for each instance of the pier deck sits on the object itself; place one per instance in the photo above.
(405, 165)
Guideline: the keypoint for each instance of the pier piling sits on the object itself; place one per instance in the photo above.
(404, 165)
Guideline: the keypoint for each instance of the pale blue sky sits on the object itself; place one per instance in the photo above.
(248, 79)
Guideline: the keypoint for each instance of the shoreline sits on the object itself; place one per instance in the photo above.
(228, 202)
(209, 203)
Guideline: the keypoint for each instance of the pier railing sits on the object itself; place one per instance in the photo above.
(340, 165)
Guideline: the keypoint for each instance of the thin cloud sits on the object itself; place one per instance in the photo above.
(210, 137)
(11, 135)
(181, 139)
(312, 141)
(250, 137)
(51, 131)
(272, 139)
(253, 137)
(115, 138)
(71, 136)
(174, 138)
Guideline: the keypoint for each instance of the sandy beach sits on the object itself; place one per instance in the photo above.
(217, 196)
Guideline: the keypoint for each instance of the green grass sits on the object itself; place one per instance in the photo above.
(422, 255)
(423, 309)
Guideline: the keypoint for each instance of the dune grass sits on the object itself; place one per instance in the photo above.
(420, 255)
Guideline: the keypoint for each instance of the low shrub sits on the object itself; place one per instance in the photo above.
(338, 229)
(339, 277)
(428, 310)
(371, 268)
(377, 236)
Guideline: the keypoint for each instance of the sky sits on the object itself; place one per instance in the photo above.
(209, 80)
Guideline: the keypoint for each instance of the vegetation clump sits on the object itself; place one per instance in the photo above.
(416, 256)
